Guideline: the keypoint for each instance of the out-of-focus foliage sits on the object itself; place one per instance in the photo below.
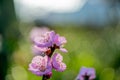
(9, 35)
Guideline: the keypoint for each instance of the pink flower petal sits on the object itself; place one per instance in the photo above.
(63, 50)
(57, 63)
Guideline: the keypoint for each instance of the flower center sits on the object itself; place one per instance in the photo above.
(42, 68)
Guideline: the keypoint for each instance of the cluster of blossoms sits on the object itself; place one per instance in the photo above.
(45, 42)
(86, 74)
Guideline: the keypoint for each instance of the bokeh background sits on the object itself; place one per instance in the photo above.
(91, 28)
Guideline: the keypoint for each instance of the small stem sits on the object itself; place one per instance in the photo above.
(44, 77)
(86, 77)
(52, 50)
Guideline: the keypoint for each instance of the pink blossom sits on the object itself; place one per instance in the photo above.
(40, 65)
(63, 50)
(37, 31)
(45, 40)
(39, 50)
(59, 42)
(50, 39)
(44, 44)
(57, 63)
(86, 72)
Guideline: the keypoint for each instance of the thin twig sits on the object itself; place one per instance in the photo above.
(52, 50)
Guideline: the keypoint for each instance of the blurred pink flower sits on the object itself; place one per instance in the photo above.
(39, 50)
(86, 72)
(40, 65)
(59, 42)
(57, 63)
(44, 40)
(37, 31)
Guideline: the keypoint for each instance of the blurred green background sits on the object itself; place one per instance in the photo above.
(92, 44)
